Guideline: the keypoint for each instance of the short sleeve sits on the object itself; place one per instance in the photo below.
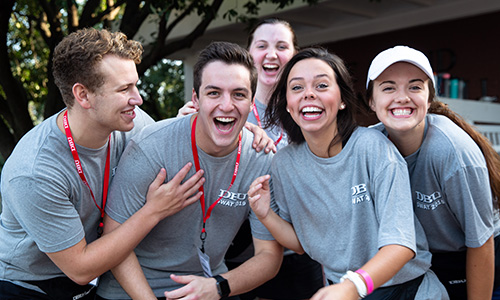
(42, 207)
(469, 196)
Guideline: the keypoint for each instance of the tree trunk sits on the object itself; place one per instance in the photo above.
(8, 143)
(16, 101)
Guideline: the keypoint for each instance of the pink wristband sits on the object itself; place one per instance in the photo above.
(368, 280)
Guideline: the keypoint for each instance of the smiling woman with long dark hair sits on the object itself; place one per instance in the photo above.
(351, 207)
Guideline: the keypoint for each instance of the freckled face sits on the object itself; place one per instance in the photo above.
(313, 98)
(401, 98)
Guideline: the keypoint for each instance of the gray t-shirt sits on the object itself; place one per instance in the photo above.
(171, 247)
(275, 133)
(450, 187)
(345, 208)
(45, 205)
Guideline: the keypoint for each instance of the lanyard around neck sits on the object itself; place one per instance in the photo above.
(197, 166)
(79, 169)
(256, 114)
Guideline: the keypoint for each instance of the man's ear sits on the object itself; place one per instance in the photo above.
(252, 103)
(196, 101)
(81, 94)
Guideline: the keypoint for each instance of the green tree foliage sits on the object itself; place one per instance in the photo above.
(30, 30)
(162, 89)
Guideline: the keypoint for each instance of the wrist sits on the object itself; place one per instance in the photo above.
(357, 281)
(351, 288)
(263, 218)
(151, 213)
(222, 286)
(367, 279)
(270, 218)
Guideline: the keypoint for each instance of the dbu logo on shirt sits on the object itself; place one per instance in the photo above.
(232, 199)
(360, 194)
(428, 202)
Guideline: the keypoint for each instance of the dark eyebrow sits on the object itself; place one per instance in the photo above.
(295, 78)
(387, 81)
(321, 75)
(241, 90)
(125, 86)
(411, 81)
(302, 78)
(211, 87)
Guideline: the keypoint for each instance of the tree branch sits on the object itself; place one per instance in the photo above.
(184, 14)
(72, 15)
(162, 49)
(16, 98)
(89, 9)
(108, 13)
(50, 14)
(8, 142)
(134, 16)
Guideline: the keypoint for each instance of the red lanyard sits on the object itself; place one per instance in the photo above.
(197, 166)
(79, 169)
(256, 114)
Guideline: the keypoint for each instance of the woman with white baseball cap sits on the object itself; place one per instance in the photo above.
(454, 172)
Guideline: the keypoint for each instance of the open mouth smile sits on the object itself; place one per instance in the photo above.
(270, 67)
(402, 112)
(311, 112)
(129, 113)
(224, 124)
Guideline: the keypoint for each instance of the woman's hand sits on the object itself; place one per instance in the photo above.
(187, 109)
(259, 196)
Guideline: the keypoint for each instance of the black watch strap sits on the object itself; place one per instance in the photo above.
(222, 286)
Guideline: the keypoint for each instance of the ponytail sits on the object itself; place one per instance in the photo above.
(491, 156)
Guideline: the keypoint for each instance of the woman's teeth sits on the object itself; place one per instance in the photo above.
(402, 111)
(224, 119)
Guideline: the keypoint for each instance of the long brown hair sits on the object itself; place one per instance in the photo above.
(276, 114)
(491, 156)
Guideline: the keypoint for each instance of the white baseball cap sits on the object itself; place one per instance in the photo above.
(399, 54)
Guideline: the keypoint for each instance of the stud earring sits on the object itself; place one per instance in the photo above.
(342, 106)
